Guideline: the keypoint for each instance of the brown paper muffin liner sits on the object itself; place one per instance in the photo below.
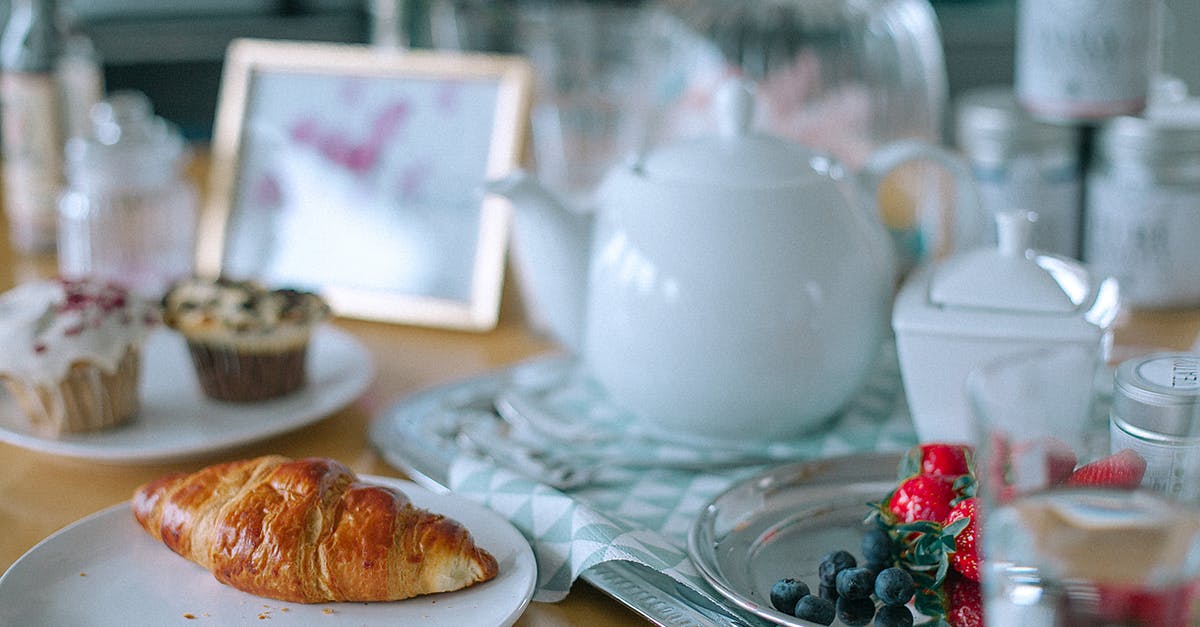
(87, 399)
(227, 374)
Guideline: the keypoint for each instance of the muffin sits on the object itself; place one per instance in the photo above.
(248, 343)
(71, 356)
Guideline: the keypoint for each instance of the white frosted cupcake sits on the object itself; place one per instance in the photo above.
(247, 342)
(71, 352)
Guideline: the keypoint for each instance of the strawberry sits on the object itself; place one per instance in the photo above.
(922, 497)
(936, 458)
(965, 557)
(945, 459)
(1060, 461)
(1006, 467)
(1143, 608)
(964, 602)
(1123, 469)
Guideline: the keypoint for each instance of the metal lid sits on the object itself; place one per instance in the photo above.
(991, 125)
(1167, 128)
(1158, 395)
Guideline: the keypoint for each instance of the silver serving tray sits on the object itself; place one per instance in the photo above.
(408, 436)
(782, 522)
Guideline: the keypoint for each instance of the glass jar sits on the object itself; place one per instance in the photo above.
(1156, 412)
(1143, 205)
(129, 214)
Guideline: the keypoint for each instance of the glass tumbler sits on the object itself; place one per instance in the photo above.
(594, 62)
(1070, 535)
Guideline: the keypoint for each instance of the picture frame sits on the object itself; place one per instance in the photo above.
(358, 172)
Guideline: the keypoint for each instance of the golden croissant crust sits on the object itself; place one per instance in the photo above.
(307, 531)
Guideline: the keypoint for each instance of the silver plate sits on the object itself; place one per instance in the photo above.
(782, 522)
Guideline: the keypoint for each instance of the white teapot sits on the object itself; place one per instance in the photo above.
(738, 287)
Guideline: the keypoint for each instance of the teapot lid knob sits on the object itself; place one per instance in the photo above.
(735, 107)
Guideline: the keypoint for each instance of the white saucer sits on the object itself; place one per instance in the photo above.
(177, 421)
(105, 570)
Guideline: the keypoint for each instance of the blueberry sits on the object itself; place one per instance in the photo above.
(786, 593)
(894, 586)
(894, 616)
(855, 612)
(877, 546)
(834, 563)
(815, 609)
(877, 567)
(855, 583)
(829, 593)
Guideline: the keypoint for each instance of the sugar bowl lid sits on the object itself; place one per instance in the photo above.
(1010, 276)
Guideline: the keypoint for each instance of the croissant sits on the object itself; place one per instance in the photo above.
(307, 531)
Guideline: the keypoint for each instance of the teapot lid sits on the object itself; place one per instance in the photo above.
(735, 157)
(1010, 276)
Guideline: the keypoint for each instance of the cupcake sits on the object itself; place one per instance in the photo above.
(247, 343)
(71, 353)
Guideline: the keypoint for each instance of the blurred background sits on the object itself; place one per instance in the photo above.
(172, 50)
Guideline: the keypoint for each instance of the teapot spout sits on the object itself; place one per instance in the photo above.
(551, 242)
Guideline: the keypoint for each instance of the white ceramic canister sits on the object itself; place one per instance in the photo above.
(1021, 163)
(1156, 412)
(1143, 205)
(1079, 60)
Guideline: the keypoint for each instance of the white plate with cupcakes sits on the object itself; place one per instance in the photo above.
(89, 373)
(403, 555)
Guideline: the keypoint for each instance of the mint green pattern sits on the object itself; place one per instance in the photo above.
(644, 516)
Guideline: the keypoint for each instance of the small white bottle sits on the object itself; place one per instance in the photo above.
(31, 103)
(129, 214)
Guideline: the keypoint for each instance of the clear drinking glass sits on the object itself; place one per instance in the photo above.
(594, 62)
(1069, 535)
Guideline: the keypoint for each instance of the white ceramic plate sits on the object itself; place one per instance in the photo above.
(177, 421)
(105, 570)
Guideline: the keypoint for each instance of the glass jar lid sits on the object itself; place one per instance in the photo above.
(127, 147)
(992, 127)
(1163, 130)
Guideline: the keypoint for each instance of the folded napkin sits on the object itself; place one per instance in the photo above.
(644, 515)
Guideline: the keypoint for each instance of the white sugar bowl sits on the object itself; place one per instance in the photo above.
(974, 307)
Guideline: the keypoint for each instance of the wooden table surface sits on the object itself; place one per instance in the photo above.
(41, 493)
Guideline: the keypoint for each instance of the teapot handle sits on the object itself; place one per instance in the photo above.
(961, 227)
